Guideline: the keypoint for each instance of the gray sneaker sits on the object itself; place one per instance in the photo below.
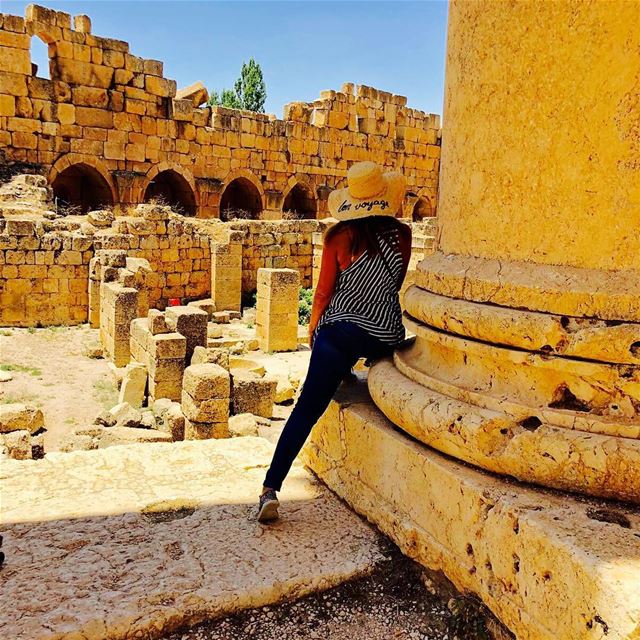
(268, 509)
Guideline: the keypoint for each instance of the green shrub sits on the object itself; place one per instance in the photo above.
(305, 300)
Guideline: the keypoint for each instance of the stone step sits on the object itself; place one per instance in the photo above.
(551, 566)
(138, 540)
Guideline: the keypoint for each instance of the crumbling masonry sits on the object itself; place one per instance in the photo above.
(106, 128)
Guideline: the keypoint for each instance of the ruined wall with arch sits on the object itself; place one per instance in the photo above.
(107, 128)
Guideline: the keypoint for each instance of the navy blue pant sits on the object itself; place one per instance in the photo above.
(336, 349)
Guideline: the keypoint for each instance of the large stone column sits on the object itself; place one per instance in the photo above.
(527, 355)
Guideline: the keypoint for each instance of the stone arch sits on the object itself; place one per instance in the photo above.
(174, 186)
(242, 196)
(422, 209)
(83, 182)
(300, 198)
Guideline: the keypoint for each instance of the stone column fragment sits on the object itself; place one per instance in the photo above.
(277, 309)
(205, 401)
(118, 308)
(226, 276)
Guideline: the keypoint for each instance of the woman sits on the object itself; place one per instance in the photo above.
(356, 308)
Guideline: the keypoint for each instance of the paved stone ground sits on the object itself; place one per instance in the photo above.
(398, 601)
(136, 541)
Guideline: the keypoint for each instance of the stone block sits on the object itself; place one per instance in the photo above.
(246, 424)
(541, 561)
(157, 323)
(191, 323)
(253, 394)
(212, 355)
(208, 305)
(125, 415)
(212, 410)
(19, 417)
(205, 430)
(134, 384)
(206, 381)
(166, 346)
(195, 92)
(16, 444)
(170, 418)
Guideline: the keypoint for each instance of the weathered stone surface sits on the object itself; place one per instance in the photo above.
(17, 444)
(84, 524)
(253, 394)
(246, 424)
(206, 381)
(551, 567)
(134, 385)
(18, 417)
(126, 415)
(525, 448)
(194, 430)
(212, 355)
(195, 92)
(210, 410)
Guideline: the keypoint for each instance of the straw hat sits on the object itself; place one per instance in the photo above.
(369, 192)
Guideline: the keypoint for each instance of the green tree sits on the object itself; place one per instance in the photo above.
(227, 98)
(250, 87)
(250, 91)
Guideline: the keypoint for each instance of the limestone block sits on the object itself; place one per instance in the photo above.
(82, 23)
(195, 92)
(253, 394)
(246, 424)
(157, 323)
(134, 385)
(16, 444)
(205, 430)
(191, 323)
(542, 562)
(171, 418)
(212, 355)
(212, 410)
(206, 381)
(19, 417)
(166, 346)
(120, 435)
(125, 415)
(208, 305)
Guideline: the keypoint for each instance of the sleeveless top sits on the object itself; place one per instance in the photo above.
(366, 293)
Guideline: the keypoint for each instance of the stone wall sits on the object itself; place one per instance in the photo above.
(109, 119)
(276, 245)
(44, 264)
(44, 274)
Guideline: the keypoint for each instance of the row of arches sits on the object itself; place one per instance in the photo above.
(81, 187)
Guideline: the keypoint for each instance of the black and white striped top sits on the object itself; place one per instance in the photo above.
(366, 292)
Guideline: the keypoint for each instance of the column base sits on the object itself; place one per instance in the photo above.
(549, 565)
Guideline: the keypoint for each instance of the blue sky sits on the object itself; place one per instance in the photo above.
(303, 47)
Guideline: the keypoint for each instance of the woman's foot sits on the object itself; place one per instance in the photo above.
(268, 509)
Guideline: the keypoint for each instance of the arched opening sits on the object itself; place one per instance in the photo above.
(421, 210)
(299, 204)
(40, 60)
(173, 189)
(81, 188)
(240, 200)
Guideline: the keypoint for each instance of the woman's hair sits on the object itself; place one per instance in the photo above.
(364, 232)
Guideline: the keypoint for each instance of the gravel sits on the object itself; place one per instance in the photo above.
(399, 601)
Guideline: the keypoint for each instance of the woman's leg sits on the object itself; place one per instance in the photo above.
(335, 351)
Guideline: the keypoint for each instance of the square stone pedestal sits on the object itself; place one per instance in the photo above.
(551, 566)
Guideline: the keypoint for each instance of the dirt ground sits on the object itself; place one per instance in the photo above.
(51, 371)
(397, 602)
